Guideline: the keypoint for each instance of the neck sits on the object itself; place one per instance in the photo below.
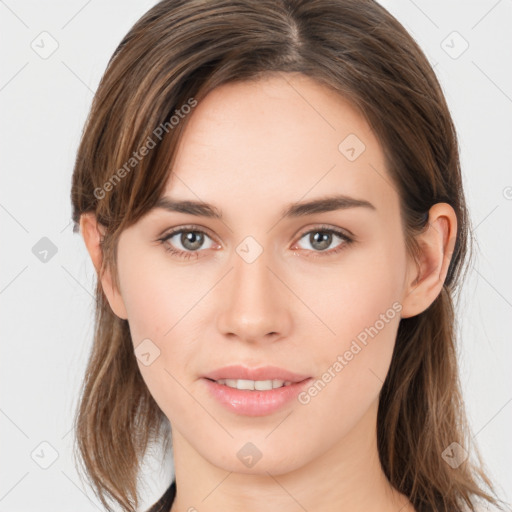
(348, 477)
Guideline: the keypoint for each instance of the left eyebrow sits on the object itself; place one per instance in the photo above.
(325, 204)
(299, 209)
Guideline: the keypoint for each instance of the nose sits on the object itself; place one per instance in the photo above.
(254, 303)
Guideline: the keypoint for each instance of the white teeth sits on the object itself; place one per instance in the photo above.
(258, 385)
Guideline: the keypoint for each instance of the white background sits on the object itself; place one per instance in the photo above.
(47, 308)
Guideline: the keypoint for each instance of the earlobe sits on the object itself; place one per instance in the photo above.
(426, 276)
(93, 233)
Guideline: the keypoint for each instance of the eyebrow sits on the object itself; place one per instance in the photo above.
(299, 209)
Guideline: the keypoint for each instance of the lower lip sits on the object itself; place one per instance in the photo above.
(255, 403)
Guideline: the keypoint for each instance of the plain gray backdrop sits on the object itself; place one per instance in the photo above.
(53, 55)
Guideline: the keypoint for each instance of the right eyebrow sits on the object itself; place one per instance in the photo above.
(198, 208)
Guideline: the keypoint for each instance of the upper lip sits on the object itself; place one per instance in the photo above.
(263, 373)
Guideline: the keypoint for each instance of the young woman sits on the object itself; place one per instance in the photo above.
(271, 195)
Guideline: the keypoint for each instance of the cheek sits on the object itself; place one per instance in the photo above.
(362, 307)
(155, 294)
(350, 296)
(159, 300)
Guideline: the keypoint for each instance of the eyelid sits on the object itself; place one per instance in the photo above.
(326, 227)
(187, 227)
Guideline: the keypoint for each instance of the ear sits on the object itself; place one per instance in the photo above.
(425, 278)
(93, 233)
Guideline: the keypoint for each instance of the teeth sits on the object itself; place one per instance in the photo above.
(258, 385)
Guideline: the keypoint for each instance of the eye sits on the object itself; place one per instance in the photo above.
(188, 241)
(321, 238)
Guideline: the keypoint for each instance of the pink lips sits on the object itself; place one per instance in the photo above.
(253, 402)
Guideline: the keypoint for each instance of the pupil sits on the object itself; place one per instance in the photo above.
(321, 239)
(192, 240)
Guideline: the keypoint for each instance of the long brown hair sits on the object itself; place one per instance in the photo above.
(179, 51)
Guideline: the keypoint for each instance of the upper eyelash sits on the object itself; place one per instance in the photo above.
(188, 254)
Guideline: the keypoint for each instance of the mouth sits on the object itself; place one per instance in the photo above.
(253, 385)
(263, 378)
(254, 392)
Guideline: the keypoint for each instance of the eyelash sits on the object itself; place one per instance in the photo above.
(193, 229)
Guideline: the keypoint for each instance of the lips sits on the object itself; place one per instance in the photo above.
(255, 403)
(263, 373)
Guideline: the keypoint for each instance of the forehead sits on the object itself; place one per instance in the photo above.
(274, 141)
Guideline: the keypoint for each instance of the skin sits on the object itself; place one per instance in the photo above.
(251, 149)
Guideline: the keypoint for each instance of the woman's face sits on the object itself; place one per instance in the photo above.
(256, 286)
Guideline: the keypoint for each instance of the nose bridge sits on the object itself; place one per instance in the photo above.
(254, 306)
